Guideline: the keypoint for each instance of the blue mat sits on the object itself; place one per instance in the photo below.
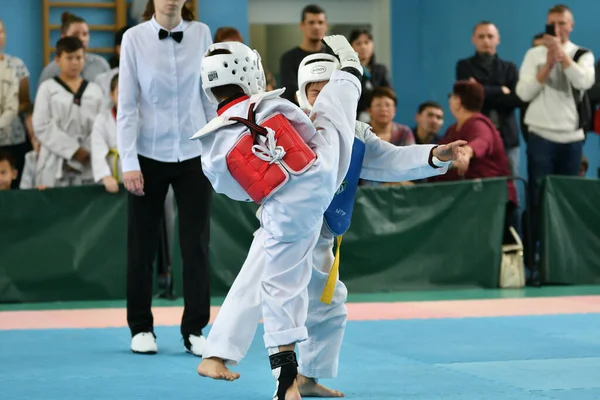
(546, 357)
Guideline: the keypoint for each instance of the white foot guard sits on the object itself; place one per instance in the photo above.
(144, 343)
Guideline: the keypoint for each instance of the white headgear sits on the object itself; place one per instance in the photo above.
(314, 68)
(242, 68)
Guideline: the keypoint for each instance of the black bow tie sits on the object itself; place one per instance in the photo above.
(177, 36)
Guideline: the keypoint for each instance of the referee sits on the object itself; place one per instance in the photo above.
(161, 105)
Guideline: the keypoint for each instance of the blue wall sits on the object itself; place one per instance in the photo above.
(429, 36)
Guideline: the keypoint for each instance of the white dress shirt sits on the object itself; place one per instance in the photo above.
(161, 102)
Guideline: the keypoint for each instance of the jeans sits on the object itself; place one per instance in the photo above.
(547, 158)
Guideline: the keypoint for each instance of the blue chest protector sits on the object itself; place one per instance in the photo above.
(339, 213)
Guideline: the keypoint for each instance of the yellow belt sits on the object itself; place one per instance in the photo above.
(115, 166)
(327, 294)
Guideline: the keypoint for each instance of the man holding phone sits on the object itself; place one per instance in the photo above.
(553, 79)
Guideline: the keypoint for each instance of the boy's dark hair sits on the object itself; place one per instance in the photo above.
(428, 104)
(114, 82)
(311, 9)
(226, 91)
(68, 44)
(6, 156)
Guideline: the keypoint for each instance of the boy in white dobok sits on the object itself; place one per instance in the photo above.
(264, 148)
(373, 159)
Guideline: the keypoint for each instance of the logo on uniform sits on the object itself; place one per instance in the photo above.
(342, 187)
(212, 76)
(318, 69)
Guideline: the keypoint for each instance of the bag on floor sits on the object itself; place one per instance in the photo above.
(512, 269)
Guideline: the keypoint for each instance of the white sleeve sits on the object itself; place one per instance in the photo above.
(528, 87)
(385, 162)
(210, 110)
(11, 105)
(582, 74)
(100, 148)
(47, 130)
(128, 117)
(28, 173)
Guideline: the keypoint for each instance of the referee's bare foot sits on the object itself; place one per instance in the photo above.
(310, 388)
(215, 368)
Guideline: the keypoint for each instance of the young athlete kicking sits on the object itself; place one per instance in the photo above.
(264, 148)
(373, 159)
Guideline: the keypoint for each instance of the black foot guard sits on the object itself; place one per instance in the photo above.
(285, 370)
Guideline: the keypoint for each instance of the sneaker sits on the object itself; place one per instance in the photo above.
(195, 344)
(144, 343)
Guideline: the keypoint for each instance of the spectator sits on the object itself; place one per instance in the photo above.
(94, 65)
(8, 170)
(374, 74)
(9, 109)
(13, 138)
(430, 118)
(552, 83)
(64, 112)
(382, 110)
(106, 165)
(499, 79)
(270, 83)
(114, 60)
(104, 79)
(314, 27)
(485, 148)
(161, 105)
(28, 178)
(228, 34)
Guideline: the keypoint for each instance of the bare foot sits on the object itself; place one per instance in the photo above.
(308, 387)
(215, 368)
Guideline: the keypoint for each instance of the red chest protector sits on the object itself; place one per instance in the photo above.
(264, 157)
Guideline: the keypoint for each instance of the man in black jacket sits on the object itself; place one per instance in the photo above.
(314, 27)
(499, 79)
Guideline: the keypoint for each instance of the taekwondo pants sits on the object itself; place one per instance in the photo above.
(235, 326)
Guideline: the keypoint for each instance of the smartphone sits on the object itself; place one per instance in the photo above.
(550, 30)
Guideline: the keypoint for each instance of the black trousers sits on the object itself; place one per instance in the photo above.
(193, 194)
